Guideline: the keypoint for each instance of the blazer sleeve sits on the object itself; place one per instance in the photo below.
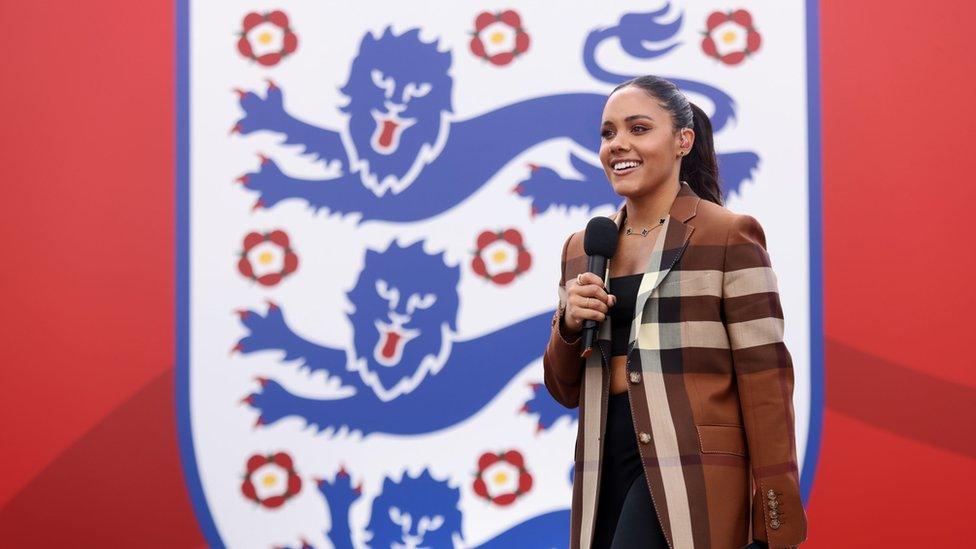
(563, 367)
(764, 374)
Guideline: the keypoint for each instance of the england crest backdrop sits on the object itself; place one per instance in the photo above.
(372, 201)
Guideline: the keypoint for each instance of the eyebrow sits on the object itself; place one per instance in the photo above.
(631, 118)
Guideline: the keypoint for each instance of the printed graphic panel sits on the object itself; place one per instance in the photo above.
(377, 196)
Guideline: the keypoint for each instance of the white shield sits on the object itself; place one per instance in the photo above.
(373, 197)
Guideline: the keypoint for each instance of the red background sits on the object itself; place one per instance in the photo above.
(88, 418)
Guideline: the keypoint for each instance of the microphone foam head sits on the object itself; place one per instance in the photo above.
(600, 237)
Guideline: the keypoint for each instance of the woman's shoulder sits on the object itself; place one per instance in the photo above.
(722, 224)
(714, 214)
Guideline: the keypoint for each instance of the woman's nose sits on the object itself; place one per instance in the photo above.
(618, 143)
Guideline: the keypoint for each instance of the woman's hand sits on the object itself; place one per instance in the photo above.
(587, 301)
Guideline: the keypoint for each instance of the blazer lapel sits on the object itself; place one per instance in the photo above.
(666, 477)
(668, 247)
(669, 244)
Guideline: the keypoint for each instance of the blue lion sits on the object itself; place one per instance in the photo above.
(420, 511)
(404, 371)
(390, 146)
(402, 157)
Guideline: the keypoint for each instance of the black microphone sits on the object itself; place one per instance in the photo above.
(599, 243)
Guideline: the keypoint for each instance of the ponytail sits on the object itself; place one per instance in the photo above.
(700, 167)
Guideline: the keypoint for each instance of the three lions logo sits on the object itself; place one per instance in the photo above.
(400, 155)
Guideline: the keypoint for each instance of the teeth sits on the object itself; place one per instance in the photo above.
(625, 165)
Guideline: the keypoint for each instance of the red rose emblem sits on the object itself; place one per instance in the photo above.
(270, 480)
(266, 37)
(499, 37)
(502, 478)
(501, 257)
(730, 37)
(267, 257)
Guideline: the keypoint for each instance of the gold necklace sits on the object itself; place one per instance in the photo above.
(645, 231)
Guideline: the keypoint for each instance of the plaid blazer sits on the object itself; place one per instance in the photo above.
(710, 383)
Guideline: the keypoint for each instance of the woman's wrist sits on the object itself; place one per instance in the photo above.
(567, 334)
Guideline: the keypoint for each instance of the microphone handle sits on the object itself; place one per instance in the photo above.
(596, 264)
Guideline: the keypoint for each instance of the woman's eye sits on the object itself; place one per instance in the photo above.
(639, 129)
(606, 134)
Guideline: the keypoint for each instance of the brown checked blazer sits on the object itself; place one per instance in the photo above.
(710, 383)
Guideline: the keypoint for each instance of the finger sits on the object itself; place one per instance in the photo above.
(589, 303)
(594, 291)
(574, 283)
(574, 304)
(613, 300)
(599, 300)
(597, 305)
(590, 314)
(590, 278)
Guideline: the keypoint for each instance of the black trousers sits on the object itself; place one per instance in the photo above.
(625, 513)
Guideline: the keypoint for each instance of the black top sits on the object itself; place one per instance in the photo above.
(622, 314)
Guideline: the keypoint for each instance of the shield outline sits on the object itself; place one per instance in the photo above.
(815, 228)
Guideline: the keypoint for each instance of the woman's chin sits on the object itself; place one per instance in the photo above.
(625, 188)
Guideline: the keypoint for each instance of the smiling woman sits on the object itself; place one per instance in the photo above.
(692, 388)
(648, 127)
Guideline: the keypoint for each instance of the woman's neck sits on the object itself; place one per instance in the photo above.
(647, 210)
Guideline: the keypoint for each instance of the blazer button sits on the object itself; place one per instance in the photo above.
(644, 437)
(774, 524)
(773, 514)
(773, 504)
(771, 494)
(635, 377)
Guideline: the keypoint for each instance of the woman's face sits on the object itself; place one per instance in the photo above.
(639, 149)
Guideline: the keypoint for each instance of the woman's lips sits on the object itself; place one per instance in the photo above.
(624, 167)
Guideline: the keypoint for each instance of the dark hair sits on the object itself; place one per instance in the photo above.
(700, 167)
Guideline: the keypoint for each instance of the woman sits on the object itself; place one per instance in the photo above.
(691, 390)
